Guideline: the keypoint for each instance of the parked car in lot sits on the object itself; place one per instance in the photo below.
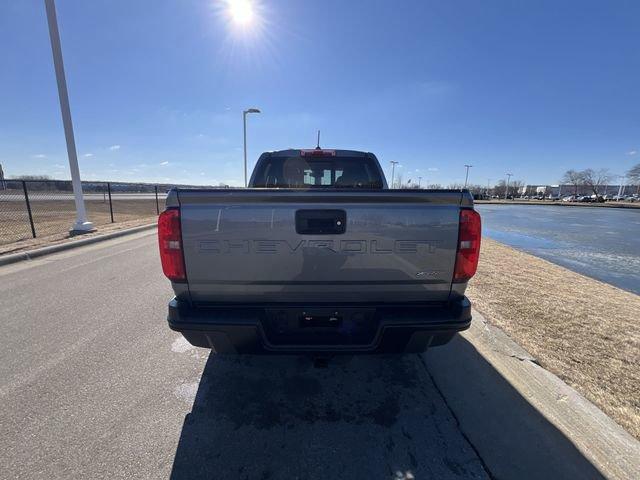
(319, 256)
(625, 198)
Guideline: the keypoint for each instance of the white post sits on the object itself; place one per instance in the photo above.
(393, 171)
(244, 125)
(466, 177)
(506, 190)
(82, 223)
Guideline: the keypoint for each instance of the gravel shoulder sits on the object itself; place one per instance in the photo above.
(583, 330)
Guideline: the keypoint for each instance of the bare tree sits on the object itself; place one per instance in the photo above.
(573, 177)
(595, 179)
(476, 189)
(515, 186)
(500, 188)
(31, 177)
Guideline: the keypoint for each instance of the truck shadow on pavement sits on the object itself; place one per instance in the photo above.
(365, 417)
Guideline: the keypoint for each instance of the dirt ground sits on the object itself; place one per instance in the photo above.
(54, 239)
(583, 330)
(53, 218)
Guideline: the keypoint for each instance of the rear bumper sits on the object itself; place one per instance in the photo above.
(244, 330)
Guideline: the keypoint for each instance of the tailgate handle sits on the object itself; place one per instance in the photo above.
(321, 222)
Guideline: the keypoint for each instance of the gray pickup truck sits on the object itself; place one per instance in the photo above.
(319, 256)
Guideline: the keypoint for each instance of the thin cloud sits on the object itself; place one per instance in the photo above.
(39, 155)
(433, 169)
(164, 163)
(114, 147)
(631, 153)
(87, 155)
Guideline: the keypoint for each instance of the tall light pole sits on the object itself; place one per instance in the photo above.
(419, 181)
(82, 223)
(622, 186)
(506, 190)
(393, 171)
(488, 182)
(244, 124)
(466, 177)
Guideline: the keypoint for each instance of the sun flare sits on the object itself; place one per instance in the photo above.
(240, 11)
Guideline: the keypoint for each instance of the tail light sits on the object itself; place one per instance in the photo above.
(468, 252)
(317, 152)
(170, 242)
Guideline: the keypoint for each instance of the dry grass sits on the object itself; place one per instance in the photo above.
(583, 330)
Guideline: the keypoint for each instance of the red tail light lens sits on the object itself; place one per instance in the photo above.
(468, 246)
(170, 242)
(317, 152)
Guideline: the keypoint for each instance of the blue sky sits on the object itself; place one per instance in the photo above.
(157, 87)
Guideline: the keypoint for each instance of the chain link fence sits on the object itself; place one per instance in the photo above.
(37, 208)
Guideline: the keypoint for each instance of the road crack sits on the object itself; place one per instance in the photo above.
(485, 467)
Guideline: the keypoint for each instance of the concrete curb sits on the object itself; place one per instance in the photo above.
(507, 397)
(40, 252)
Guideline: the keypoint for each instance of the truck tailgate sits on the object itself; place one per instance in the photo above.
(272, 246)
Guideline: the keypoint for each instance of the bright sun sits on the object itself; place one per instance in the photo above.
(241, 11)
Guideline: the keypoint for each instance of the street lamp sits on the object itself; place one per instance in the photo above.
(82, 223)
(244, 123)
(419, 181)
(466, 177)
(393, 171)
(622, 186)
(506, 190)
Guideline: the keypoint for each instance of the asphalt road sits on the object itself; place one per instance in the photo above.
(93, 384)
